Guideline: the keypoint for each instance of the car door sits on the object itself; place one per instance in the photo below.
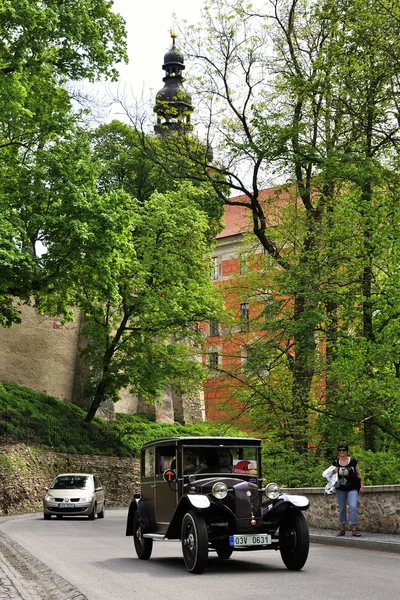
(166, 493)
(99, 493)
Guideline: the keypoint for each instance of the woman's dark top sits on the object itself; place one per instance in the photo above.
(348, 478)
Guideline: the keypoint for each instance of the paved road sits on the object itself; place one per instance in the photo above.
(95, 558)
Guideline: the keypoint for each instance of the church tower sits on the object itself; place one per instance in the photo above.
(173, 105)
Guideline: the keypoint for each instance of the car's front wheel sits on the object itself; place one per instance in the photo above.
(143, 546)
(92, 514)
(46, 516)
(294, 541)
(194, 540)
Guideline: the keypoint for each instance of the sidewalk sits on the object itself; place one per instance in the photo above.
(384, 542)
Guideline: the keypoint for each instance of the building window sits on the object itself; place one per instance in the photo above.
(244, 263)
(214, 268)
(213, 360)
(268, 307)
(214, 328)
(244, 317)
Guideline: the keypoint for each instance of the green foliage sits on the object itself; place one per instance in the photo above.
(291, 469)
(326, 364)
(42, 421)
(42, 150)
(379, 468)
(5, 464)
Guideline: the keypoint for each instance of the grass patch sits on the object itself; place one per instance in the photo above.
(41, 421)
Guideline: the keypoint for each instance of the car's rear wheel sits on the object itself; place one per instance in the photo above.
(143, 546)
(294, 541)
(194, 539)
(223, 549)
(92, 514)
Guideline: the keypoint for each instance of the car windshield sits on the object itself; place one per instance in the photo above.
(233, 459)
(72, 482)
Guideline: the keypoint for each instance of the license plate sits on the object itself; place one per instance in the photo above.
(242, 541)
(66, 505)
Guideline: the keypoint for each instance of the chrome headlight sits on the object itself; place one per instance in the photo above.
(220, 490)
(272, 491)
(49, 498)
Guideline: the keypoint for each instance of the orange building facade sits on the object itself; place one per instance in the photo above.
(228, 344)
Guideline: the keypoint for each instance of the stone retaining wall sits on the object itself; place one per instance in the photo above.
(378, 508)
(25, 472)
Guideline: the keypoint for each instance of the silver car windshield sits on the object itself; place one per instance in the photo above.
(72, 482)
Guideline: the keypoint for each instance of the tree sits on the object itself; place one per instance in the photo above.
(308, 91)
(142, 305)
(44, 45)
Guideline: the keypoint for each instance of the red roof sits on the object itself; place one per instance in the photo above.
(238, 218)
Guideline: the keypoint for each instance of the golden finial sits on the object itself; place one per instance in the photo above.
(174, 35)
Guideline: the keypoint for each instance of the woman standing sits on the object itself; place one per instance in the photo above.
(349, 485)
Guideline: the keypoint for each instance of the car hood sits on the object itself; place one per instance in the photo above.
(69, 493)
(204, 486)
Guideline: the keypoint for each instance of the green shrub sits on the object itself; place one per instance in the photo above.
(5, 464)
(44, 422)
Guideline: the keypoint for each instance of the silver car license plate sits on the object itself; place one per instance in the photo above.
(242, 541)
(62, 505)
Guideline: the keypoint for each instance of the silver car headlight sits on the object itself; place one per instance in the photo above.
(49, 498)
(220, 490)
(272, 491)
(86, 499)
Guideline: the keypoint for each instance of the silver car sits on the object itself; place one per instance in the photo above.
(74, 494)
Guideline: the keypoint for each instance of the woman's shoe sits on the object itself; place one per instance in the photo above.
(341, 532)
(355, 533)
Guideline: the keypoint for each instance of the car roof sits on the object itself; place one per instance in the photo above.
(74, 475)
(203, 440)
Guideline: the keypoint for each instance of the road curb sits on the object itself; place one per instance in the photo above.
(365, 544)
(30, 577)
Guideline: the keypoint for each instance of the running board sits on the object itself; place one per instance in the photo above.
(154, 536)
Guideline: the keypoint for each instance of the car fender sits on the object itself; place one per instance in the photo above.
(300, 502)
(275, 510)
(197, 502)
(138, 504)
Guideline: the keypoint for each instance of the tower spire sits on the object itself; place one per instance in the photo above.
(173, 105)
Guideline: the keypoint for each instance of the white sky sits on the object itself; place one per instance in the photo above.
(148, 26)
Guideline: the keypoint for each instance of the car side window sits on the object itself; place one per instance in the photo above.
(97, 483)
(165, 456)
(148, 462)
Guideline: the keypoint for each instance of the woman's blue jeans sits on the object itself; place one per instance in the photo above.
(350, 498)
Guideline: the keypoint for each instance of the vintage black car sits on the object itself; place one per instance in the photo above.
(209, 493)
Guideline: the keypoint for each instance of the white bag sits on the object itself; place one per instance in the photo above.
(331, 475)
